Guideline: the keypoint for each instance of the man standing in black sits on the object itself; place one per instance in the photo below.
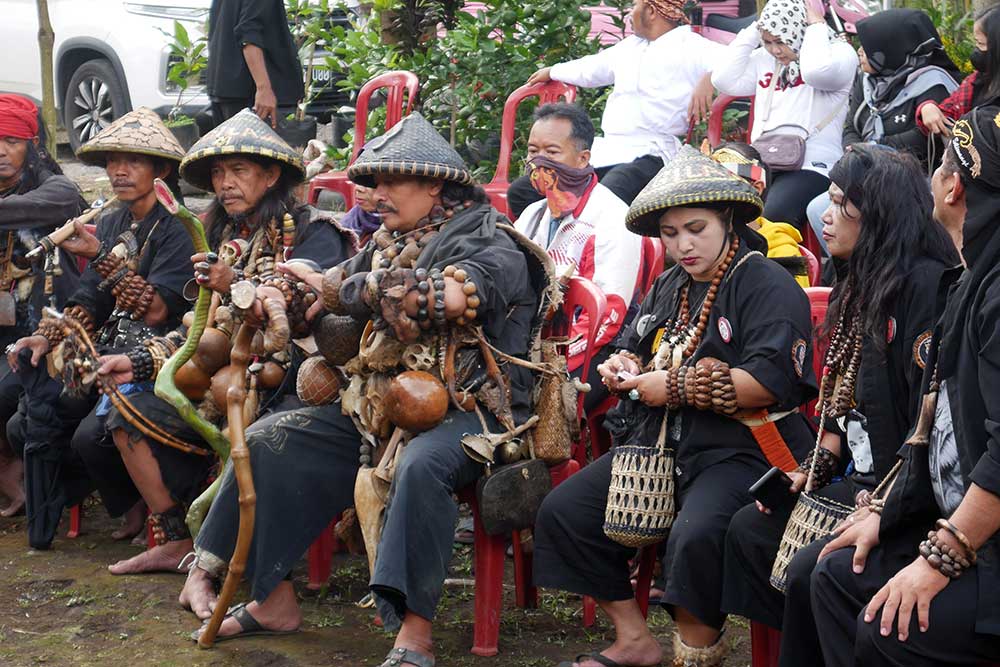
(252, 60)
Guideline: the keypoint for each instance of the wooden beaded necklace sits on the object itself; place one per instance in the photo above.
(684, 338)
(841, 364)
(403, 249)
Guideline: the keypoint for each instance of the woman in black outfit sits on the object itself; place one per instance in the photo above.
(725, 307)
(903, 65)
(880, 225)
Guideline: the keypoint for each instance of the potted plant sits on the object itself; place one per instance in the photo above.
(307, 21)
(187, 59)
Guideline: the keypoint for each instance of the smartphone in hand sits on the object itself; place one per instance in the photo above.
(771, 490)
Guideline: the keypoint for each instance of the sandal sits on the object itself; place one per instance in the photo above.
(249, 626)
(404, 656)
(599, 659)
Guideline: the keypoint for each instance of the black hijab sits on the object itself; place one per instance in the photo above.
(898, 42)
(976, 142)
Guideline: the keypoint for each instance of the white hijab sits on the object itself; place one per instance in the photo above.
(786, 20)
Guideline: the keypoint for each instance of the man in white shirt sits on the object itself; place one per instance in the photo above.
(580, 223)
(662, 79)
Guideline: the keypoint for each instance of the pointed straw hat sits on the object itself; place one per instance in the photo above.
(243, 134)
(689, 179)
(412, 147)
(140, 131)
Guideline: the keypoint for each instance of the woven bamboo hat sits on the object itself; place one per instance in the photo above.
(243, 134)
(688, 180)
(411, 148)
(140, 131)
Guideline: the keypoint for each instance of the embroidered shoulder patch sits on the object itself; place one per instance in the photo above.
(922, 349)
(799, 356)
(643, 324)
(725, 330)
(890, 335)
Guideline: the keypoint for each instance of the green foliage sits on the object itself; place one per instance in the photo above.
(189, 60)
(466, 72)
(307, 20)
(953, 20)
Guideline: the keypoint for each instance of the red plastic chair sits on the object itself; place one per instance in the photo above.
(397, 82)
(715, 119)
(812, 265)
(320, 556)
(547, 93)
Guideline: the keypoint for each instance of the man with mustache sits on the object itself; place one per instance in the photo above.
(441, 268)
(254, 222)
(34, 198)
(579, 223)
(139, 260)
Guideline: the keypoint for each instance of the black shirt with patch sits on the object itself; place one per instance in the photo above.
(765, 330)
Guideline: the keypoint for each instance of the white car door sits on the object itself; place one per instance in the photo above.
(20, 71)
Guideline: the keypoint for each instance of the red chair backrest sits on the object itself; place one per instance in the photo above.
(397, 82)
(652, 264)
(548, 92)
(715, 119)
(587, 296)
(819, 302)
(813, 266)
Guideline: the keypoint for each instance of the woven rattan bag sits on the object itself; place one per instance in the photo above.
(640, 507)
(813, 518)
(555, 405)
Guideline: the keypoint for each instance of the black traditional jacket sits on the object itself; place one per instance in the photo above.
(760, 323)
(164, 260)
(508, 286)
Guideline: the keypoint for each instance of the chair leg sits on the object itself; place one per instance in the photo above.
(320, 557)
(647, 558)
(589, 611)
(765, 643)
(524, 584)
(75, 521)
(489, 562)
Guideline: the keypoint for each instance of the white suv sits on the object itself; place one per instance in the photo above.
(110, 57)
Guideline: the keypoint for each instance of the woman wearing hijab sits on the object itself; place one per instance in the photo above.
(800, 76)
(903, 65)
(726, 322)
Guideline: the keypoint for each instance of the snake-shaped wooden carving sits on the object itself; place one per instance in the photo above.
(235, 398)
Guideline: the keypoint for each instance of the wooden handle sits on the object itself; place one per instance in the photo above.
(68, 229)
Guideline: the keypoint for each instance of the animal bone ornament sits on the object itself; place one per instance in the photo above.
(235, 398)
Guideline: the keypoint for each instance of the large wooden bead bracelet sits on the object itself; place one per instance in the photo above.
(706, 386)
(826, 467)
(943, 558)
(469, 289)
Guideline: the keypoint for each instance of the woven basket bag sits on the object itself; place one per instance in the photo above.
(640, 507)
(813, 518)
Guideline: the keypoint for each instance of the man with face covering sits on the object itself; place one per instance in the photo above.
(903, 65)
(886, 591)
(579, 223)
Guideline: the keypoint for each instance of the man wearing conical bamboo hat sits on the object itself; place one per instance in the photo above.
(138, 261)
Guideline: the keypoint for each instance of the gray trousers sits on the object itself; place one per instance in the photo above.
(419, 530)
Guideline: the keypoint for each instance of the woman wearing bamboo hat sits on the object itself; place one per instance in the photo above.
(710, 372)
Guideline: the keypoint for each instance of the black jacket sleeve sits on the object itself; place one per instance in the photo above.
(986, 472)
(249, 28)
(851, 134)
(52, 203)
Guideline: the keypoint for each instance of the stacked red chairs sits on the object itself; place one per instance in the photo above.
(548, 92)
(400, 85)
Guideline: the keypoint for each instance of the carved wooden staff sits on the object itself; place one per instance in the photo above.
(48, 243)
(235, 398)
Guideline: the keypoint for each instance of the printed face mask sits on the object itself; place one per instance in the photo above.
(562, 185)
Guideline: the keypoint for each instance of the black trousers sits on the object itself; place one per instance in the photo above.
(790, 192)
(626, 180)
(573, 554)
(751, 547)
(10, 395)
(839, 598)
(304, 465)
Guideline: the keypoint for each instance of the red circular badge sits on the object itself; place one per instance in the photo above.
(725, 330)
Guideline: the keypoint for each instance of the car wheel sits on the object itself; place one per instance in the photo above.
(94, 99)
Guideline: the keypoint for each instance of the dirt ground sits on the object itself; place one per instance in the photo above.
(61, 608)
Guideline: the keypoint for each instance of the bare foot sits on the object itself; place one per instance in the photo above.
(132, 523)
(163, 558)
(12, 484)
(198, 593)
(641, 652)
(280, 612)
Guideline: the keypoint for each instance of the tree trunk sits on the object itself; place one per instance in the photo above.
(981, 5)
(46, 40)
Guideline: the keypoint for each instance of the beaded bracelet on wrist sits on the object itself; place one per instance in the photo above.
(51, 330)
(425, 299)
(970, 553)
(142, 363)
(632, 356)
(948, 561)
(469, 289)
(440, 316)
(81, 315)
(826, 467)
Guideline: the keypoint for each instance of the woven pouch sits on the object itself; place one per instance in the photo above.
(813, 518)
(555, 405)
(640, 506)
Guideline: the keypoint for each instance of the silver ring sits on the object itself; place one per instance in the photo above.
(9, 348)
(634, 395)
